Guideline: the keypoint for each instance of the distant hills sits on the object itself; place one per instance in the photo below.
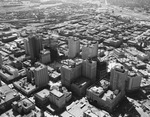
(131, 3)
(13, 3)
(38, 1)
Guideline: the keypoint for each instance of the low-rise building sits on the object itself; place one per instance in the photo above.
(24, 86)
(89, 113)
(79, 87)
(42, 98)
(81, 107)
(104, 97)
(54, 76)
(7, 97)
(57, 98)
(8, 73)
(23, 106)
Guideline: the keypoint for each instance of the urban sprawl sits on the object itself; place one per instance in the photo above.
(74, 60)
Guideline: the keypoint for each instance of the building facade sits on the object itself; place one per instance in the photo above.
(133, 81)
(101, 70)
(74, 47)
(35, 45)
(70, 73)
(90, 50)
(79, 87)
(57, 98)
(1, 60)
(118, 78)
(101, 95)
(45, 56)
(26, 46)
(89, 68)
(41, 76)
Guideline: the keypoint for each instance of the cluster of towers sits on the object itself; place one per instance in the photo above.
(35, 47)
(89, 49)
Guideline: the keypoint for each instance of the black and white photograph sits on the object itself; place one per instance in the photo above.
(74, 58)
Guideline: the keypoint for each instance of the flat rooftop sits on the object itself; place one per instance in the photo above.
(82, 82)
(97, 90)
(44, 93)
(6, 94)
(56, 93)
(77, 108)
(26, 103)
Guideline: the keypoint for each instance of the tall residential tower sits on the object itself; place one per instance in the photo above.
(35, 45)
(41, 75)
(118, 78)
(90, 50)
(74, 47)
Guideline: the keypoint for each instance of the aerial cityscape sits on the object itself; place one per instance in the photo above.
(74, 58)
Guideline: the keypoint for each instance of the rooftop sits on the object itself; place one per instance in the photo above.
(45, 52)
(39, 66)
(90, 113)
(26, 103)
(81, 82)
(132, 74)
(78, 108)
(97, 90)
(70, 62)
(119, 68)
(24, 86)
(7, 94)
(57, 93)
(44, 93)
(108, 95)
